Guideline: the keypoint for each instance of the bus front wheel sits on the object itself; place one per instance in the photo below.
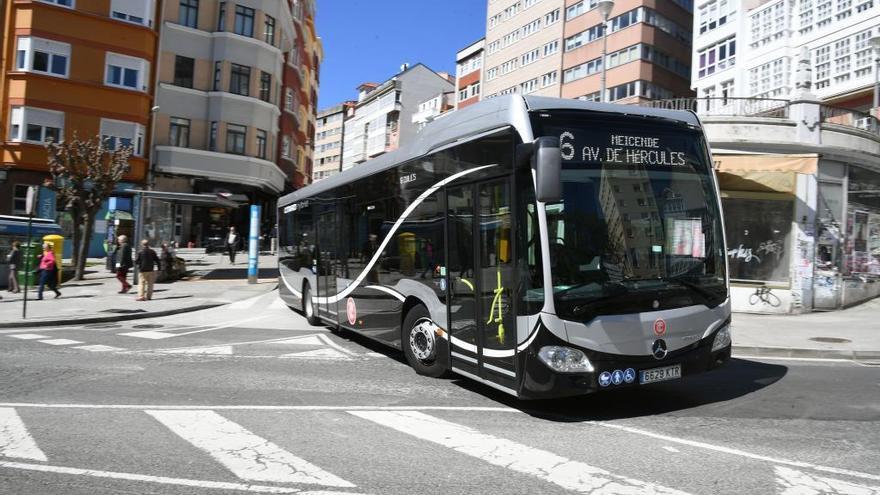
(420, 343)
(309, 306)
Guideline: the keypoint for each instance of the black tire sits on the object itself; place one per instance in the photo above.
(419, 341)
(309, 307)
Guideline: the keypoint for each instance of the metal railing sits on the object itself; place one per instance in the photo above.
(740, 107)
(849, 117)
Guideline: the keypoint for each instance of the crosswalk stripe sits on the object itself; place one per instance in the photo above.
(15, 441)
(60, 342)
(247, 455)
(98, 348)
(29, 336)
(571, 475)
(794, 482)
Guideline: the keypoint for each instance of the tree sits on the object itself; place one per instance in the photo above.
(84, 174)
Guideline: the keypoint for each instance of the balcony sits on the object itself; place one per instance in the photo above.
(224, 167)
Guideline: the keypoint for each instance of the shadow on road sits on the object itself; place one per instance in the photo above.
(737, 379)
(238, 273)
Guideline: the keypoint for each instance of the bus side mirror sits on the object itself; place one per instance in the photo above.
(547, 162)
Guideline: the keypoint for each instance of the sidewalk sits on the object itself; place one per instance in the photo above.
(211, 281)
(852, 333)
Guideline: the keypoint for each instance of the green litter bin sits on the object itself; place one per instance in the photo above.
(29, 251)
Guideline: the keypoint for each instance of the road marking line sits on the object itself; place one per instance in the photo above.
(737, 452)
(303, 340)
(166, 407)
(323, 354)
(327, 340)
(794, 482)
(670, 449)
(249, 342)
(217, 350)
(29, 336)
(217, 485)
(571, 475)
(15, 441)
(155, 335)
(247, 455)
(99, 348)
(60, 342)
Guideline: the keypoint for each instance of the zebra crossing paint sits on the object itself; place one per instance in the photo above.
(15, 441)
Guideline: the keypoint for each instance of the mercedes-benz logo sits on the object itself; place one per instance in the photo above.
(659, 349)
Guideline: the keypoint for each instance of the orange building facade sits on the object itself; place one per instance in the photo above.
(71, 67)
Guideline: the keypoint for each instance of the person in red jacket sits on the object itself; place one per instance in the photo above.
(48, 271)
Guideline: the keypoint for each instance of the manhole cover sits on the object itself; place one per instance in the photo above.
(148, 325)
(831, 340)
(102, 325)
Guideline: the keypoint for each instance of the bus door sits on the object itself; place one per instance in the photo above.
(327, 263)
(480, 275)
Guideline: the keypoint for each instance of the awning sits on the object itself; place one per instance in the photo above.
(208, 200)
(763, 173)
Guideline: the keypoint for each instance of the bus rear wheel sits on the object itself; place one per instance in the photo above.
(420, 343)
(309, 306)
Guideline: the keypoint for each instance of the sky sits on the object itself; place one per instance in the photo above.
(367, 41)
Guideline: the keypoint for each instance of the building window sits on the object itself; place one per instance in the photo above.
(244, 21)
(63, 3)
(265, 86)
(463, 95)
(212, 137)
(549, 79)
(188, 13)
(288, 99)
(218, 71)
(551, 48)
(235, 138)
(43, 56)
(183, 71)
(531, 28)
(492, 73)
(508, 67)
(35, 125)
(261, 144)
(717, 57)
(239, 80)
(474, 89)
(134, 11)
(19, 199)
(269, 31)
(221, 17)
(285, 147)
(178, 132)
(770, 79)
(529, 86)
(579, 9)
(530, 57)
(126, 72)
(583, 70)
(768, 24)
(715, 14)
(551, 17)
(119, 133)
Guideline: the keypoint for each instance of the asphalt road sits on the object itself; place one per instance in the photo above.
(250, 398)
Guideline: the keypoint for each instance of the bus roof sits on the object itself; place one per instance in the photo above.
(487, 115)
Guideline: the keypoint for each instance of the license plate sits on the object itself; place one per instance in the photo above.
(660, 374)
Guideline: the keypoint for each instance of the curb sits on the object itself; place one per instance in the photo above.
(786, 352)
(107, 319)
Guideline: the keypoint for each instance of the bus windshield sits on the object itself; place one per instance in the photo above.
(638, 227)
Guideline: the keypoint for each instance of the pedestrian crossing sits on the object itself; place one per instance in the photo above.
(338, 449)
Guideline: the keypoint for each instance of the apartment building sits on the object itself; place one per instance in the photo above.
(381, 119)
(433, 108)
(226, 121)
(72, 67)
(469, 73)
(554, 48)
(770, 35)
(328, 140)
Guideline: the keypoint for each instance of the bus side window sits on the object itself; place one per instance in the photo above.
(531, 273)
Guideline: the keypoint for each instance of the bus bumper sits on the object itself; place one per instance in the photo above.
(540, 382)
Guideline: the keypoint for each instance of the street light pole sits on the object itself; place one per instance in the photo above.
(604, 7)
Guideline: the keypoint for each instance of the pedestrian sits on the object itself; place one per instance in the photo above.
(232, 244)
(122, 256)
(167, 262)
(14, 260)
(146, 260)
(48, 271)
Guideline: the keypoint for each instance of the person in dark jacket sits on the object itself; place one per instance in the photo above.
(147, 260)
(122, 256)
(15, 264)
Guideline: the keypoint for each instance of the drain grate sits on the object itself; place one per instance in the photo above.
(148, 325)
(831, 340)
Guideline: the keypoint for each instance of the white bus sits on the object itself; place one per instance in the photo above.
(544, 247)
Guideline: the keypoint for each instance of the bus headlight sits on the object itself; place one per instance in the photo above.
(722, 339)
(564, 359)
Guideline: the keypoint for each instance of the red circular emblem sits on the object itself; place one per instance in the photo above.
(659, 327)
(351, 311)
